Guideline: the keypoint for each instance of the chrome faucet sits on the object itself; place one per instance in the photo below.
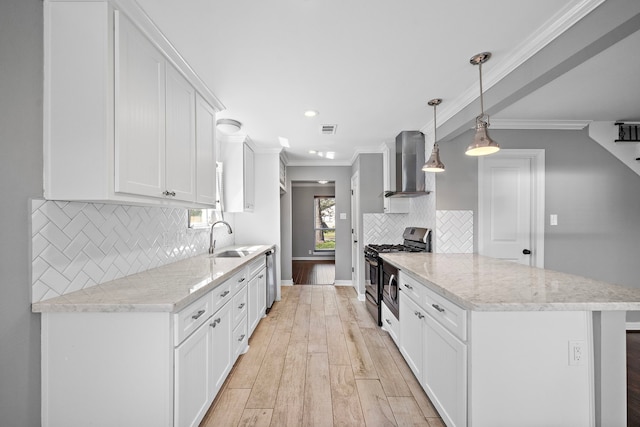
(212, 242)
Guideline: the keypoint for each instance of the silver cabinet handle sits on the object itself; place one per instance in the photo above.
(241, 306)
(240, 280)
(198, 314)
(408, 286)
(387, 320)
(169, 193)
(224, 294)
(420, 315)
(261, 276)
(215, 322)
(241, 337)
(437, 307)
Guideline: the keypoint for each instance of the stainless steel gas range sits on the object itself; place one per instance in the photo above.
(381, 279)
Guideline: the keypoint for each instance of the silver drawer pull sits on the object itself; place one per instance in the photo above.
(198, 314)
(241, 337)
(437, 307)
(240, 280)
(224, 294)
(241, 306)
(215, 322)
(169, 193)
(408, 286)
(420, 315)
(387, 320)
(261, 276)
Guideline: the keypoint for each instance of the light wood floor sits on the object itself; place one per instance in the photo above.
(318, 359)
(322, 272)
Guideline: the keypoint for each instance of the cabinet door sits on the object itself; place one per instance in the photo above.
(140, 113)
(249, 178)
(411, 336)
(193, 382)
(205, 152)
(221, 328)
(445, 372)
(180, 143)
(253, 315)
(262, 294)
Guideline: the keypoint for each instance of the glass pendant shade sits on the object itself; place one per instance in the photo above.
(482, 143)
(434, 164)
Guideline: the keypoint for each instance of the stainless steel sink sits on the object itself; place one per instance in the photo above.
(232, 254)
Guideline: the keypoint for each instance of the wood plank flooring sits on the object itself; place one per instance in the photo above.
(321, 272)
(633, 378)
(318, 359)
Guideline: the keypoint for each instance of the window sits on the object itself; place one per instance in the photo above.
(324, 223)
(203, 218)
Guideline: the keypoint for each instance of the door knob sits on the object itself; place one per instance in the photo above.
(526, 251)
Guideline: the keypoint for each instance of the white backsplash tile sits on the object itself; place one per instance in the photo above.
(454, 232)
(77, 245)
(388, 228)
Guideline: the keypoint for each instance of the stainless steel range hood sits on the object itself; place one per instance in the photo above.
(409, 161)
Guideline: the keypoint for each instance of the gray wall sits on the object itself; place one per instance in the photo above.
(596, 198)
(21, 50)
(302, 218)
(341, 175)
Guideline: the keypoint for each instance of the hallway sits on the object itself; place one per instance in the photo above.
(314, 272)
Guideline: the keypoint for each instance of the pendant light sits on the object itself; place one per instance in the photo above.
(434, 164)
(482, 144)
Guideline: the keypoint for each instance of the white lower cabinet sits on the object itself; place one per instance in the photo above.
(221, 352)
(257, 294)
(445, 372)
(411, 334)
(391, 324)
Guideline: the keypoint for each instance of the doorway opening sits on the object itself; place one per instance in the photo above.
(313, 232)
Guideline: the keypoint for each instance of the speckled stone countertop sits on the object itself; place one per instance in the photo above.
(168, 288)
(486, 284)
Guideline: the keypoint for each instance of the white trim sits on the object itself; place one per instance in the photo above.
(316, 258)
(286, 282)
(319, 162)
(633, 326)
(537, 157)
(539, 124)
(509, 61)
(361, 297)
(343, 283)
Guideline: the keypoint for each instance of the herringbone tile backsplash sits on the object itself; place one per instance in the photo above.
(454, 232)
(77, 245)
(388, 228)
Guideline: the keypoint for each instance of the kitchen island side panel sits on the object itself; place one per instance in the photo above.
(521, 369)
(107, 369)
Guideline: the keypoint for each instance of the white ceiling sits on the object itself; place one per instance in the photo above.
(370, 66)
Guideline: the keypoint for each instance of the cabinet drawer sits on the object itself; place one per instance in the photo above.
(390, 324)
(239, 307)
(240, 339)
(257, 265)
(413, 289)
(187, 320)
(448, 314)
(238, 281)
(221, 295)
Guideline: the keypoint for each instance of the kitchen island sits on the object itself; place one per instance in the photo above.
(153, 348)
(495, 343)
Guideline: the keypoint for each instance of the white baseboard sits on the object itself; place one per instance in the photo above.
(361, 297)
(314, 258)
(287, 282)
(633, 326)
(342, 283)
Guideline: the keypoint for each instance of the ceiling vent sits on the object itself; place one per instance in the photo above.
(328, 129)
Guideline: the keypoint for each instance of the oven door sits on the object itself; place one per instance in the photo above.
(390, 294)
(372, 288)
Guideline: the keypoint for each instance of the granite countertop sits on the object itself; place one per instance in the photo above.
(487, 284)
(168, 288)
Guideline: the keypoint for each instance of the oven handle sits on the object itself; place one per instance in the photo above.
(391, 279)
(373, 262)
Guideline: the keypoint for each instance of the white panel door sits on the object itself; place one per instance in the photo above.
(221, 327)
(140, 113)
(505, 204)
(180, 145)
(205, 152)
(411, 335)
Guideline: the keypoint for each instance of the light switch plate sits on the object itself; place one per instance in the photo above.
(553, 219)
(343, 215)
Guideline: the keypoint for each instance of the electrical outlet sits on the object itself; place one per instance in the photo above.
(310, 252)
(577, 353)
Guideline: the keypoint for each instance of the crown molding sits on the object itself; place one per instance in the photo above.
(364, 150)
(318, 163)
(554, 27)
(539, 124)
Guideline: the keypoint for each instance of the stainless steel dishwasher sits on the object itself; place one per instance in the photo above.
(271, 277)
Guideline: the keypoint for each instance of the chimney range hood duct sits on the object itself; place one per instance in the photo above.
(409, 160)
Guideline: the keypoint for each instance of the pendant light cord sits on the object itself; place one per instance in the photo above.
(481, 100)
(435, 138)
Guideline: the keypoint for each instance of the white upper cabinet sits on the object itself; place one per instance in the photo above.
(205, 152)
(239, 175)
(120, 119)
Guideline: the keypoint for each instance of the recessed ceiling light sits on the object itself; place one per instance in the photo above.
(331, 155)
(312, 151)
(310, 113)
(323, 182)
